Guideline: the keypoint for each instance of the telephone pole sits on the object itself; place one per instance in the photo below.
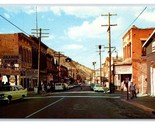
(109, 39)
(59, 55)
(39, 51)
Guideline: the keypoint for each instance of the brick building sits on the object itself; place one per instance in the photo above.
(43, 61)
(134, 54)
(149, 46)
(15, 57)
(19, 62)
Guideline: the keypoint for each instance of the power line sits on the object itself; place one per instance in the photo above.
(14, 25)
(137, 16)
(134, 21)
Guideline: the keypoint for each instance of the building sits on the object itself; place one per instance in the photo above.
(134, 55)
(19, 63)
(43, 61)
(116, 73)
(15, 58)
(149, 46)
(19, 60)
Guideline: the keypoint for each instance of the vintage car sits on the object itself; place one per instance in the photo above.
(98, 88)
(12, 92)
(59, 86)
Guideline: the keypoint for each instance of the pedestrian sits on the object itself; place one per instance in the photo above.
(48, 87)
(122, 87)
(135, 93)
(42, 87)
(132, 89)
(81, 86)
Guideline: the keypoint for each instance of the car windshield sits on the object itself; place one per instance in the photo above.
(5, 88)
(98, 86)
(20, 87)
(58, 84)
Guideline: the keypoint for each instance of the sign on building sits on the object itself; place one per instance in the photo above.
(123, 69)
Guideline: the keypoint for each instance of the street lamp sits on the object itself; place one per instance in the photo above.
(68, 59)
(100, 63)
(94, 70)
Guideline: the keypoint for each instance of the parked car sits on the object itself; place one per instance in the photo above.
(92, 85)
(106, 89)
(59, 86)
(98, 88)
(66, 86)
(12, 92)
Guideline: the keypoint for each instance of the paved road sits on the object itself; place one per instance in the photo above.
(74, 105)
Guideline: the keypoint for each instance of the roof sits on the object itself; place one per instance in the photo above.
(149, 40)
(135, 27)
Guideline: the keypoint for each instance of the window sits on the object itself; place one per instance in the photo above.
(143, 52)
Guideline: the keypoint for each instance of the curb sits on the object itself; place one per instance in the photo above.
(145, 108)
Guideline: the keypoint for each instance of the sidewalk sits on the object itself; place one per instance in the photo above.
(32, 94)
(145, 102)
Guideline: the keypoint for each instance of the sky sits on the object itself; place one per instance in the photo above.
(75, 30)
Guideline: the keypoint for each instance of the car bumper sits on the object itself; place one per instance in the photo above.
(99, 90)
(4, 100)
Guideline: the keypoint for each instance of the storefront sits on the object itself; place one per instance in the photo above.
(149, 46)
(28, 78)
(121, 73)
(9, 69)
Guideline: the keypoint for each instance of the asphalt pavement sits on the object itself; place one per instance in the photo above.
(145, 102)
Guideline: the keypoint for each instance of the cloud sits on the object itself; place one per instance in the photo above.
(88, 30)
(91, 11)
(78, 11)
(73, 47)
(26, 9)
(6, 15)
(148, 16)
(56, 10)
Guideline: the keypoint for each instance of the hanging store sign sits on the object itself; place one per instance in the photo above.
(123, 69)
(9, 71)
(10, 61)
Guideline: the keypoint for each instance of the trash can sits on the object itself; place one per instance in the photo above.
(36, 90)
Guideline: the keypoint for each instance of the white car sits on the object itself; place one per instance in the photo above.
(59, 86)
(98, 88)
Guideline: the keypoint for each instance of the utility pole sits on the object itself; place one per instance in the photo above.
(39, 51)
(59, 55)
(109, 39)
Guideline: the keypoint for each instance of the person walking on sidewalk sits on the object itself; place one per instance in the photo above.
(42, 87)
(135, 93)
(132, 90)
(122, 87)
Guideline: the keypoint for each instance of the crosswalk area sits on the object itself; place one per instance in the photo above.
(76, 94)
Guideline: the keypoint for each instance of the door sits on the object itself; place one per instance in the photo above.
(152, 80)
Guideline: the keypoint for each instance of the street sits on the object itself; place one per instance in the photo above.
(74, 104)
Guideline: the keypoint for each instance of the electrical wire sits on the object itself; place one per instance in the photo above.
(14, 25)
(137, 16)
(134, 21)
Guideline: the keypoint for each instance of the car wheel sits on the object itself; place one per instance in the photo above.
(22, 98)
(9, 99)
